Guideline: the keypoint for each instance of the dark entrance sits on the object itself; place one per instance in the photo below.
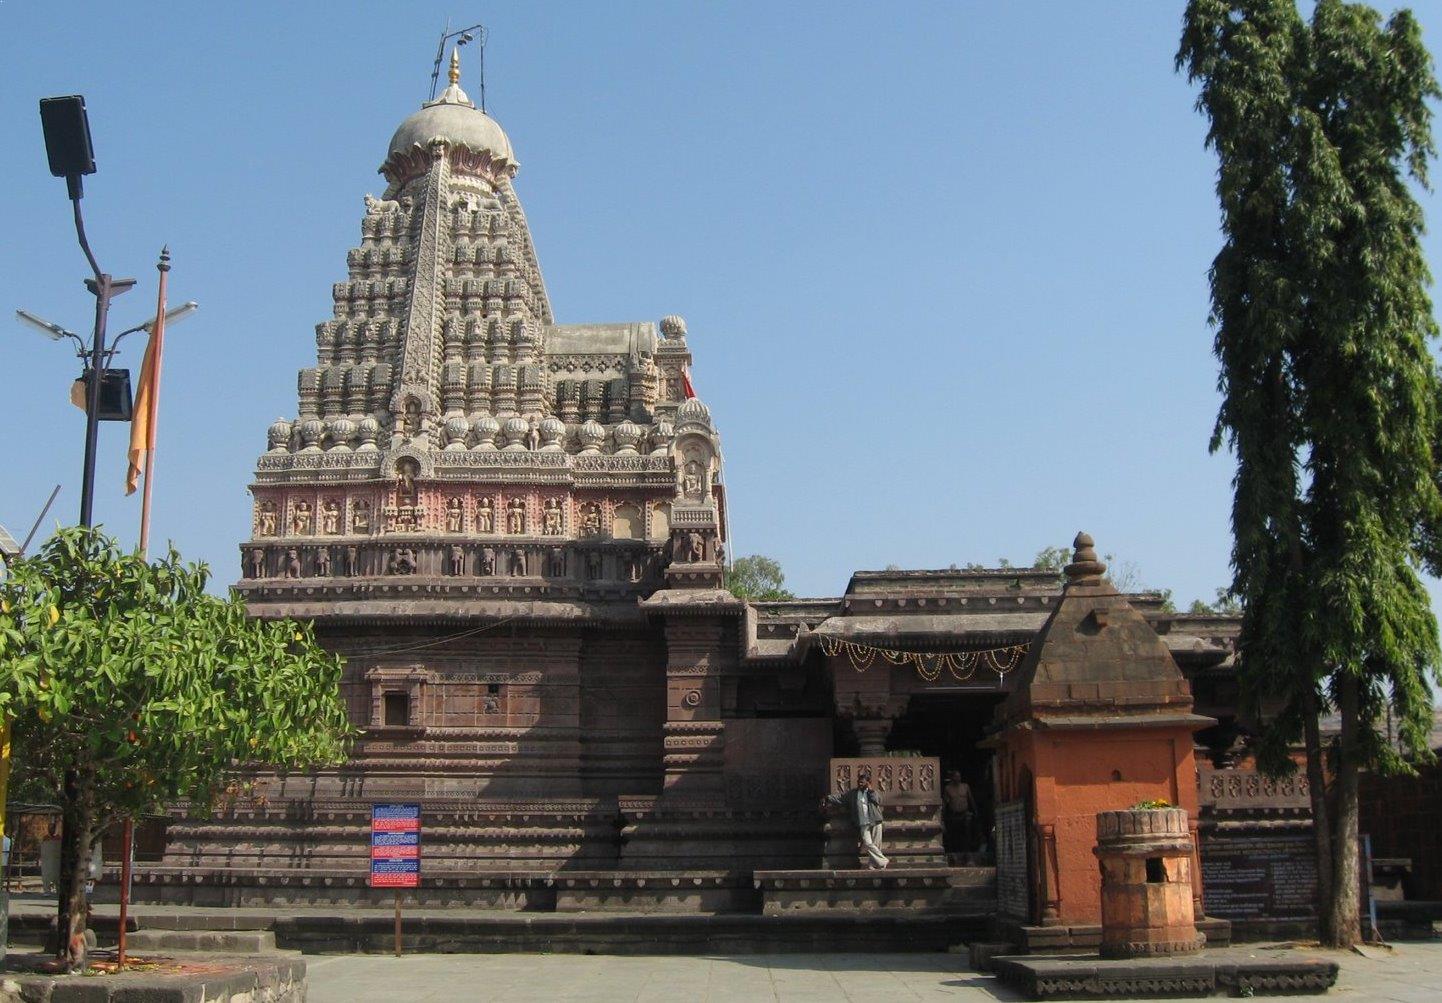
(949, 726)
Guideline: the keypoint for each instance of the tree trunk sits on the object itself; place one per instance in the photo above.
(1321, 819)
(1346, 904)
(75, 840)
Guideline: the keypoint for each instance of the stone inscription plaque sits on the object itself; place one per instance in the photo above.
(1013, 887)
(1259, 876)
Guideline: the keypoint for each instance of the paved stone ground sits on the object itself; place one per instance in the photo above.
(1411, 974)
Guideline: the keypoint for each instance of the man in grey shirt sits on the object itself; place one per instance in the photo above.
(863, 807)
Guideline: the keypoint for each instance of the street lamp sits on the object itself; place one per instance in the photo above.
(115, 402)
(68, 147)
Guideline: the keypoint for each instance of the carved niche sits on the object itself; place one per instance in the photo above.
(405, 688)
(292, 563)
(516, 517)
(267, 520)
(590, 519)
(360, 517)
(455, 515)
(257, 563)
(322, 562)
(302, 522)
(661, 521)
(485, 515)
(551, 517)
(330, 517)
(458, 560)
(626, 522)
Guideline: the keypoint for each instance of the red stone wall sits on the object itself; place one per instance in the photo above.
(1079, 773)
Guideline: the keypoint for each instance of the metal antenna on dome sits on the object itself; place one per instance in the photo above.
(475, 33)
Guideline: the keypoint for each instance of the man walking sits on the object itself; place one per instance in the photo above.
(863, 805)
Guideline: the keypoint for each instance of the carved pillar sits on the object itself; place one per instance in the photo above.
(872, 715)
(698, 650)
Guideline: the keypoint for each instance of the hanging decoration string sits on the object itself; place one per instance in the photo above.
(929, 665)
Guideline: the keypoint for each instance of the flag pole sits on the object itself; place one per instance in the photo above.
(157, 339)
(152, 404)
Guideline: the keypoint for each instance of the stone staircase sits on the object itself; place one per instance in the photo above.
(604, 912)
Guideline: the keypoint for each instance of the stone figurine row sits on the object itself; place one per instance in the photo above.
(409, 516)
(293, 563)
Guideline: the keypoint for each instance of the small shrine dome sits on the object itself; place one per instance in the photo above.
(454, 118)
(693, 412)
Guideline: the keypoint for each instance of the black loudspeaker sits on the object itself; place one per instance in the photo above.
(67, 136)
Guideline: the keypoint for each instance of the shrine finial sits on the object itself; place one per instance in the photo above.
(1085, 568)
(455, 72)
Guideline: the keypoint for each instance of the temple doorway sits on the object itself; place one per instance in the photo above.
(949, 726)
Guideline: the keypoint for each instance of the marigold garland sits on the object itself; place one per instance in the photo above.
(961, 665)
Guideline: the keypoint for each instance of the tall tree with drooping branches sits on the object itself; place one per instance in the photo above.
(130, 688)
(1329, 390)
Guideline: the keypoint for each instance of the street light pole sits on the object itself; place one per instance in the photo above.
(104, 288)
(68, 146)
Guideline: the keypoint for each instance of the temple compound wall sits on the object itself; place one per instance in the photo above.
(514, 532)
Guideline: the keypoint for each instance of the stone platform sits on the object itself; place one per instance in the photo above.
(214, 980)
(909, 890)
(1230, 972)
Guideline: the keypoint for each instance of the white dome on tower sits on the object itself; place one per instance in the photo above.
(455, 119)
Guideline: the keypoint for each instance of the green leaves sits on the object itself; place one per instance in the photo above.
(130, 672)
(1330, 394)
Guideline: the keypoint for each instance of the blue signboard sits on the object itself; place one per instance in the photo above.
(395, 846)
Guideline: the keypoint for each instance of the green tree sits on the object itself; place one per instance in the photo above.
(1329, 392)
(129, 688)
(757, 577)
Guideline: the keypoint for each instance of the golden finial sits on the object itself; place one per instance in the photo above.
(455, 66)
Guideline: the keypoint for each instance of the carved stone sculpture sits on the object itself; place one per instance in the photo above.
(455, 515)
(360, 519)
(633, 568)
(302, 522)
(695, 547)
(556, 563)
(257, 563)
(485, 516)
(411, 420)
(517, 562)
(322, 562)
(590, 519)
(352, 561)
(267, 518)
(330, 517)
(488, 561)
(692, 480)
(458, 560)
(551, 518)
(403, 562)
(593, 565)
(533, 436)
(292, 563)
(516, 516)
(407, 470)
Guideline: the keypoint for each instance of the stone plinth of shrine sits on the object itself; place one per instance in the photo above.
(1146, 872)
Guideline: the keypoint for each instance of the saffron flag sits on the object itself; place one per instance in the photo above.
(142, 423)
(686, 386)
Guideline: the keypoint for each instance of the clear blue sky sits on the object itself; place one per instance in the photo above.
(944, 265)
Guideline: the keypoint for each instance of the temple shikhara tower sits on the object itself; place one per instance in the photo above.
(513, 530)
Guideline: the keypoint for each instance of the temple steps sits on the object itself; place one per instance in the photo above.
(604, 912)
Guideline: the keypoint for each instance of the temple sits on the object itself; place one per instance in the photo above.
(514, 531)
